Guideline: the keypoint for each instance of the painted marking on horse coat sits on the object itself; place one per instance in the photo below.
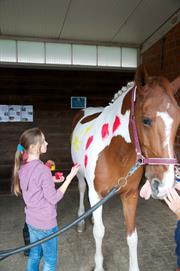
(85, 160)
(116, 124)
(76, 143)
(89, 141)
(105, 130)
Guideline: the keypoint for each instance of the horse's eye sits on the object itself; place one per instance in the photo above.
(147, 121)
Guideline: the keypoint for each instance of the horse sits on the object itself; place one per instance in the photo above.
(140, 123)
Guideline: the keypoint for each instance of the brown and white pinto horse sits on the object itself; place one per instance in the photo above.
(103, 143)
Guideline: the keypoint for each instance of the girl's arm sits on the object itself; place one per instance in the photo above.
(50, 193)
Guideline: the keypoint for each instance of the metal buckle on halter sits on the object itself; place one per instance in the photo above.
(140, 159)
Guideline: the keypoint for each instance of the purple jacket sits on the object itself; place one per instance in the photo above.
(39, 194)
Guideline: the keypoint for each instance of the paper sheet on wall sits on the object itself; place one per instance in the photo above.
(4, 113)
(27, 113)
(16, 113)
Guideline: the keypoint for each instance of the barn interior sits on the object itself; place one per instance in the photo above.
(51, 51)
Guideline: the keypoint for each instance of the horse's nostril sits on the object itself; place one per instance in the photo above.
(155, 184)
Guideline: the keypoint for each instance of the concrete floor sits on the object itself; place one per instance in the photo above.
(155, 226)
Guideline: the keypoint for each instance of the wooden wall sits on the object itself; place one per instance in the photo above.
(163, 57)
(49, 92)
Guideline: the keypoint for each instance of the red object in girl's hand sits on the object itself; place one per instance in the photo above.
(58, 175)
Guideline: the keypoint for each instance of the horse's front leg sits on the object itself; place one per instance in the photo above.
(98, 230)
(81, 210)
(129, 202)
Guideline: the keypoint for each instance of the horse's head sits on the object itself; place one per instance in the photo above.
(157, 119)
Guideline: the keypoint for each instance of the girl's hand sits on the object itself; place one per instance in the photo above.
(73, 172)
(173, 201)
(69, 178)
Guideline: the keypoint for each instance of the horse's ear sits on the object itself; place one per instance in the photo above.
(141, 76)
(176, 84)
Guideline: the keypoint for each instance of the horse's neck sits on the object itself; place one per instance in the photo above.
(115, 108)
(117, 103)
(117, 121)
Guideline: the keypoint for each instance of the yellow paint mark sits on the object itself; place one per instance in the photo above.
(81, 134)
(76, 143)
(88, 128)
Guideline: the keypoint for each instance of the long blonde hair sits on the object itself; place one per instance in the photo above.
(28, 137)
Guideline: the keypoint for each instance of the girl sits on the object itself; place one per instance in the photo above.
(34, 181)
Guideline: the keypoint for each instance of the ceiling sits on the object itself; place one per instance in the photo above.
(129, 22)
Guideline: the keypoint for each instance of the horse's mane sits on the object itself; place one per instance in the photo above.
(121, 91)
(153, 80)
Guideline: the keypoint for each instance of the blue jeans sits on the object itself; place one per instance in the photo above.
(177, 239)
(47, 250)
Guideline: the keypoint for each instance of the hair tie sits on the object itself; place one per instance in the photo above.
(20, 148)
(25, 156)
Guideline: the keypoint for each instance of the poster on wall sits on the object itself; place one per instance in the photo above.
(4, 113)
(78, 102)
(27, 113)
(16, 113)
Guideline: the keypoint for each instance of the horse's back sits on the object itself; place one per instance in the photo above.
(89, 112)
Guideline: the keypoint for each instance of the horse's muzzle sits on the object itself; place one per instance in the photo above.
(155, 188)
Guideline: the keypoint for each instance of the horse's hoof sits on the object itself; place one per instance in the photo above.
(81, 227)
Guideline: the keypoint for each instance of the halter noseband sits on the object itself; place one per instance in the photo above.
(139, 156)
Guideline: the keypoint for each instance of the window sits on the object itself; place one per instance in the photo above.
(30, 52)
(8, 50)
(129, 57)
(67, 54)
(84, 54)
(109, 56)
(57, 53)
